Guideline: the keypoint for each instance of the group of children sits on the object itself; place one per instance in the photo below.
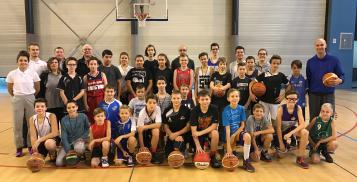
(222, 111)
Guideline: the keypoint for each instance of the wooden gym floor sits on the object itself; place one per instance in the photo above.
(345, 167)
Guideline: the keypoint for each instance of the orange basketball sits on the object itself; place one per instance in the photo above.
(254, 156)
(201, 160)
(219, 93)
(36, 162)
(327, 78)
(143, 156)
(258, 89)
(176, 159)
(315, 158)
(230, 162)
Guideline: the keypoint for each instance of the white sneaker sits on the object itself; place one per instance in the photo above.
(105, 162)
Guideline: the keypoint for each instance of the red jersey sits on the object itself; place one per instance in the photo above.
(183, 77)
(99, 131)
(95, 85)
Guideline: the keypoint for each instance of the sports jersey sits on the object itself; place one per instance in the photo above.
(289, 120)
(44, 128)
(176, 121)
(320, 129)
(111, 112)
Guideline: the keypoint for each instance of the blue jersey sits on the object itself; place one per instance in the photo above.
(123, 128)
(300, 86)
(111, 112)
(233, 117)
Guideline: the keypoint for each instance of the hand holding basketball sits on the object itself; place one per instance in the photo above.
(258, 89)
(331, 80)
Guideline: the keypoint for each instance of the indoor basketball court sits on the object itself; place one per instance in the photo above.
(288, 29)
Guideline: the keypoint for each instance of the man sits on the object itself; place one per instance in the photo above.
(82, 68)
(59, 55)
(176, 62)
(317, 66)
(233, 66)
(36, 64)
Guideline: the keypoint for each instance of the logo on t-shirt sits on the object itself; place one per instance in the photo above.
(204, 122)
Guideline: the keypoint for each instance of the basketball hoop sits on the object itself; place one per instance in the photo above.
(141, 17)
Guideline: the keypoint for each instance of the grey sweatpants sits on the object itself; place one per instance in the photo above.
(78, 146)
(22, 105)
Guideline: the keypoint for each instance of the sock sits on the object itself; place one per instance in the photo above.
(246, 150)
(105, 157)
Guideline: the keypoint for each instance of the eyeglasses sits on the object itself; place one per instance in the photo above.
(292, 99)
(72, 64)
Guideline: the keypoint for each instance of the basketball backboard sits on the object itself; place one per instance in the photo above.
(128, 10)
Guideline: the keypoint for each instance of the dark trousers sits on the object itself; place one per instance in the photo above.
(316, 100)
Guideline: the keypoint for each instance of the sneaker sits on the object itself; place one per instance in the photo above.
(215, 163)
(19, 152)
(105, 162)
(300, 161)
(327, 156)
(30, 150)
(53, 156)
(265, 156)
(247, 165)
(155, 159)
(130, 162)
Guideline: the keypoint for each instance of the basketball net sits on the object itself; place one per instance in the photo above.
(141, 17)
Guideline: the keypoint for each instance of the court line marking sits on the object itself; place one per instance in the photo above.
(355, 140)
(352, 128)
(131, 174)
(5, 130)
(345, 169)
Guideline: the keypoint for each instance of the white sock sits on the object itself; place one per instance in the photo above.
(246, 150)
(105, 157)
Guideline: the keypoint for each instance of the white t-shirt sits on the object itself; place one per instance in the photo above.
(38, 66)
(145, 119)
(23, 81)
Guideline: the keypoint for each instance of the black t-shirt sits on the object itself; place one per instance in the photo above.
(188, 103)
(167, 73)
(82, 68)
(204, 120)
(223, 80)
(151, 65)
(72, 87)
(176, 64)
(176, 120)
(273, 86)
(253, 75)
(113, 75)
(138, 76)
(243, 86)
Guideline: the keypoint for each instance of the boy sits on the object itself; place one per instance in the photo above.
(72, 85)
(183, 75)
(288, 116)
(176, 120)
(99, 144)
(74, 132)
(188, 102)
(202, 74)
(138, 103)
(111, 72)
(251, 73)
(272, 80)
(111, 106)
(124, 136)
(322, 133)
(233, 118)
(262, 65)
(241, 82)
(204, 121)
(138, 75)
(233, 66)
(149, 123)
(95, 82)
(261, 132)
(298, 82)
(213, 60)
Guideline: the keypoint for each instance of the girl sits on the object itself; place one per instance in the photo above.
(22, 84)
(100, 132)
(124, 68)
(44, 130)
(95, 82)
(183, 75)
(165, 71)
(164, 99)
(49, 82)
(138, 75)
